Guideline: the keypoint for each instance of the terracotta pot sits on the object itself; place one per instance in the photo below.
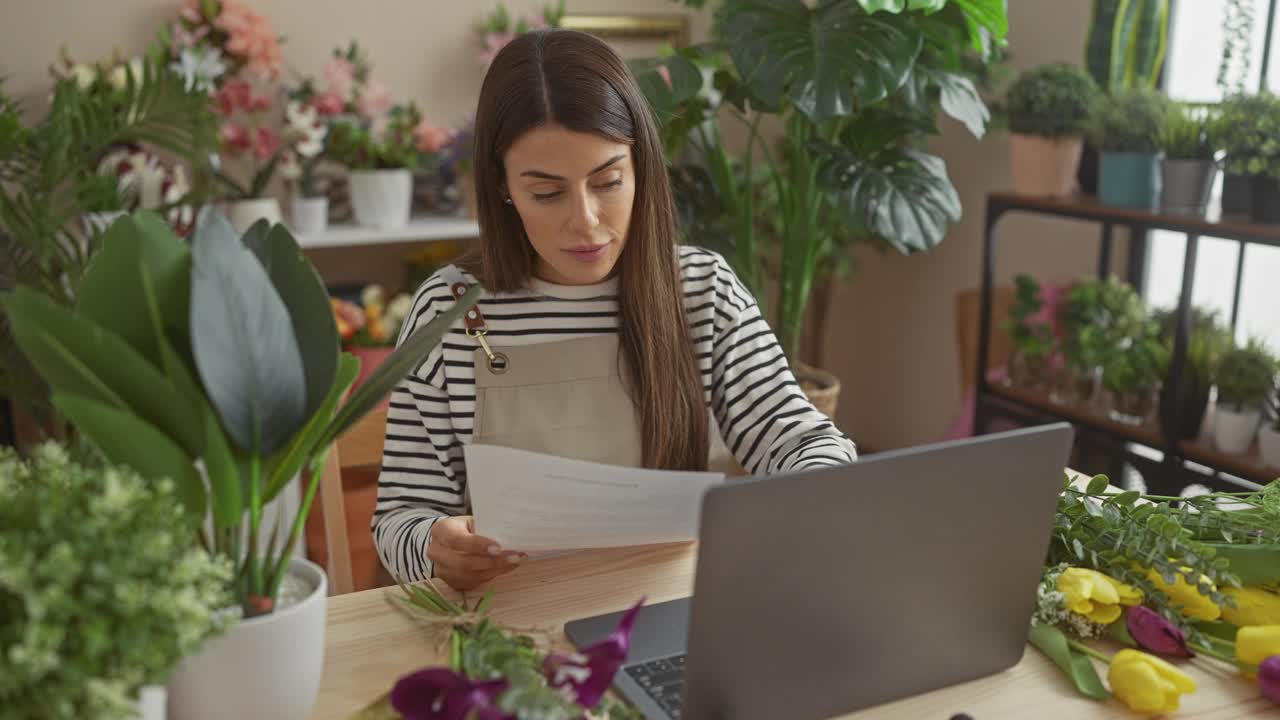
(821, 387)
(370, 358)
(1044, 165)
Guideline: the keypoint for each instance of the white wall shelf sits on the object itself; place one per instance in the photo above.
(420, 228)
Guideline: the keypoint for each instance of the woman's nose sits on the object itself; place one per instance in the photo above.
(583, 215)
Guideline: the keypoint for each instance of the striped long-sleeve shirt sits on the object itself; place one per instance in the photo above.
(765, 418)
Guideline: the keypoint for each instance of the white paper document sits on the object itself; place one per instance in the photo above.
(532, 502)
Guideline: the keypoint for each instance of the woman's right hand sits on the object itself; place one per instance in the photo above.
(464, 559)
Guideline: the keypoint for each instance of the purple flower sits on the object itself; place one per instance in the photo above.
(1154, 633)
(442, 694)
(1269, 678)
(588, 674)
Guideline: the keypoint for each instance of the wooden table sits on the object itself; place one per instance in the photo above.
(370, 644)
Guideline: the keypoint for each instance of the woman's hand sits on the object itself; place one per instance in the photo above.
(462, 558)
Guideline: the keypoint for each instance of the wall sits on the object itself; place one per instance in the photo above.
(893, 340)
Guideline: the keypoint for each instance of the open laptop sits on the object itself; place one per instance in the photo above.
(830, 590)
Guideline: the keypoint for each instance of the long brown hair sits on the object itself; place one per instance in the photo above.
(578, 82)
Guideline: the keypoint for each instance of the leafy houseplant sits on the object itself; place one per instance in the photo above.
(223, 351)
(1248, 128)
(1206, 343)
(42, 168)
(1047, 108)
(1099, 320)
(1033, 342)
(381, 166)
(1133, 377)
(1246, 379)
(1190, 145)
(101, 589)
(1125, 127)
(856, 85)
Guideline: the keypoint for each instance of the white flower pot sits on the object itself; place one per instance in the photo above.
(98, 222)
(151, 701)
(244, 213)
(381, 198)
(264, 667)
(310, 215)
(1233, 432)
(1269, 444)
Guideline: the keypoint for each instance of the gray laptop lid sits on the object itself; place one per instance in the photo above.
(837, 589)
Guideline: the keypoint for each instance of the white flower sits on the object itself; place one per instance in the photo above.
(373, 295)
(300, 117)
(398, 311)
(119, 76)
(289, 167)
(200, 67)
(84, 75)
(305, 125)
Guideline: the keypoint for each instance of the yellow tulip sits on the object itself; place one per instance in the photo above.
(1194, 604)
(1146, 683)
(1257, 643)
(1095, 595)
(1254, 606)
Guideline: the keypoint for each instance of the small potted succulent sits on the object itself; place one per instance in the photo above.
(1189, 144)
(102, 590)
(1248, 125)
(1133, 377)
(1033, 341)
(1246, 380)
(1269, 435)
(1047, 108)
(1125, 127)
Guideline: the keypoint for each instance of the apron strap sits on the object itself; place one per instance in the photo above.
(473, 320)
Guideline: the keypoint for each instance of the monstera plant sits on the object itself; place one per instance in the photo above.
(856, 86)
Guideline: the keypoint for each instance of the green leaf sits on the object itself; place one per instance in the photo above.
(126, 439)
(1079, 669)
(984, 15)
(407, 356)
(1126, 498)
(830, 61)
(243, 341)
(289, 461)
(686, 82)
(1221, 630)
(111, 292)
(303, 292)
(77, 357)
(1098, 485)
(891, 6)
(1253, 564)
(905, 198)
(927, 6)
(961, 101)
(223, 473)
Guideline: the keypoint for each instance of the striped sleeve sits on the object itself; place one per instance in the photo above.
(767, 421)
(422, 477)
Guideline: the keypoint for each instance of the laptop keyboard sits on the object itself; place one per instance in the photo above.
(663, 680)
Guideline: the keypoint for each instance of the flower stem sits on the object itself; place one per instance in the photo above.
(1077, 645)
(1206, 651)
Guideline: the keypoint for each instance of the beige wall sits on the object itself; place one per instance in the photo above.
(893, 339)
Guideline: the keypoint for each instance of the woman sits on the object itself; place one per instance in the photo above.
(597, 337)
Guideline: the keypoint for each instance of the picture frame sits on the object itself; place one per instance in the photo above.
(634, 36)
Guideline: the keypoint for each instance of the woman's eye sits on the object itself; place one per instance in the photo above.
(543, 197)
(610, 185)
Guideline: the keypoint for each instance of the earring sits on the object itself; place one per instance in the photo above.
(507, 200)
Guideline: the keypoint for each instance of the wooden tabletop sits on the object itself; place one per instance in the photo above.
(370, 644)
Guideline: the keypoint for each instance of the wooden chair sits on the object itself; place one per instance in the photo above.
(968, 323)
(358, 447)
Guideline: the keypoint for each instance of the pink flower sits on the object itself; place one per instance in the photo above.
(587, 675)
(235, 95)
(430, 138)
(180, 38)
(375, 99)
(535, 21)
(265, 142)
(665, 72)
(234, 138)
(1269, 678)
(328, 104)
(260, 103)
(251, 38)
(340, 75)
(493, 43)
(442, 694)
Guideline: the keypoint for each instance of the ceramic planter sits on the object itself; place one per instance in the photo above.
(1266, 200)
(1044, 166)
(264, 667)
(1237, 196)
(1185, 185)
(242, 214)
(381, 198)
(1233, 431)
(1269, 445)
(310, 215)
(1129, 180)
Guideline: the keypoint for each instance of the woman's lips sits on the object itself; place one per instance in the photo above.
(588, 254)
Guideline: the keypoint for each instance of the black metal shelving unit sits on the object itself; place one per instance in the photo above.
(1168, 464)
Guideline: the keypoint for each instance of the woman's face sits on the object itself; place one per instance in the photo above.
(574, 193)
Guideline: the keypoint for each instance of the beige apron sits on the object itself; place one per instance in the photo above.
(564, 398)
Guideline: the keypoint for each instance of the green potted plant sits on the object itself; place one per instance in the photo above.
(1248, 125)
(102, 591)
(216, 364)
(856, 90)
(1133, 375)
(1269, 435)
(1098, 319)
(1047, 108)
(1207, 341)
(1246, 380)
(381, 165)
(1033, 342)
(1125, 127)
(1190, 146)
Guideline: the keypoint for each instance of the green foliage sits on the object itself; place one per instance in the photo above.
(1128, 121)
(171, 360)
(1100, 319)
(1237, 44)
(1126, 43)
(1034, 341)
(359, 148)
(1140, 367)
(1250, 130)
(1188, 133)
(500, 20)
(101, 589)
(1246, 377)
(1051, 100)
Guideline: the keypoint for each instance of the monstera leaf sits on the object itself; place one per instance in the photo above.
(667, 82)
(905, 198)
(829, 61)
